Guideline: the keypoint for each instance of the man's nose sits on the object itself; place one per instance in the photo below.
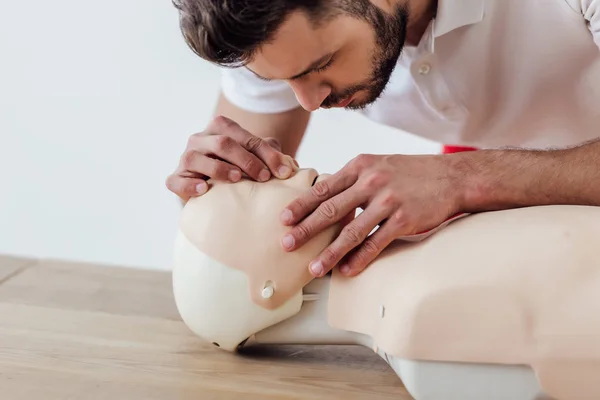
(310, 95)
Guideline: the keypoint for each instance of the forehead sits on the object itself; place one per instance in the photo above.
(297, 43)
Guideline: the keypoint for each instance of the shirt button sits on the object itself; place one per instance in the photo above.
(424, 69)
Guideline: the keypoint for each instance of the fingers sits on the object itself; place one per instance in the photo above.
(190, 178)
(270, 157)
(226, 149)
(277, 146)
(186, 187)
(364, 254)
(317, 197)
(351, 236)
(196, 163)
(328, 213)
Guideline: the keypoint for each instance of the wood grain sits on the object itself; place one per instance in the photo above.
(79, 331)
(80, 286)
(11, 266)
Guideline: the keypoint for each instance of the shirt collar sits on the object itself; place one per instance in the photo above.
(453, 14)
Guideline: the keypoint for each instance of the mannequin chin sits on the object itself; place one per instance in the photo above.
(511, 297)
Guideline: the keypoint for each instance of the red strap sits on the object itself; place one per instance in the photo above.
(448, 149)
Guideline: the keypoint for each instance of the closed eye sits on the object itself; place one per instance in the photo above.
(323, 67)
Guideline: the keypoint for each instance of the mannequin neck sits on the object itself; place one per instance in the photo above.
(310, 326)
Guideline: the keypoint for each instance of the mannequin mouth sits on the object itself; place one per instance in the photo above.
(315, 180)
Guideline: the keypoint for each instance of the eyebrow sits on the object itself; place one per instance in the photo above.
(314, 65)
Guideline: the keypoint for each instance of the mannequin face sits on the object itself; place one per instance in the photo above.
(238, 225)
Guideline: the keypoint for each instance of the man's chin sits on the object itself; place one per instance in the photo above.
(371, 97)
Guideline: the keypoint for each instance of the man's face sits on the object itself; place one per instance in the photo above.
(345, 61)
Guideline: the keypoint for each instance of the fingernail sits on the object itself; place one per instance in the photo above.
(264, 175)
(286, 216)
(235, 175)
(345, 269)
(316, 268)
(288, 241)
(201, 188)
(284, 171)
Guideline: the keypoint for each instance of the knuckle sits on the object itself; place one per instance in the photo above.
(389, 199)
(273, 142)
(221, 122)
(352, 235)
(302, 232)
(370, 248)
(194, 138)
(249, 164)
(272, 159)
(399, 217)
(299, 205)
(330, 255)
(320, 189)
(328, 210)
(376, 179)
(187, 159)
(223, 142)
(253, 143)
(400, 220)
(170, 182)
(363, 160)
(212, 170)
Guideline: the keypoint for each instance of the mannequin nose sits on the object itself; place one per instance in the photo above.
(310, 96)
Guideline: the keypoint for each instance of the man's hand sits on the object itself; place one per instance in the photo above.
(401, 195)
(225, 151)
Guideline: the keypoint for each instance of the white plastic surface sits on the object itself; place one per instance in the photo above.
(456, 381)
(213, 300)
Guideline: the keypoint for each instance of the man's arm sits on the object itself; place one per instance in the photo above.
(500, 179)
(288, 127)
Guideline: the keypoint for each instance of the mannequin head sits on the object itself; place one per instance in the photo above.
(231, 276)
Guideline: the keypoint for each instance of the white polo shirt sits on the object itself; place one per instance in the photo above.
(487, 73)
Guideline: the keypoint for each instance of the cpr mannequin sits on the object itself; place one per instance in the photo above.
(499, 305)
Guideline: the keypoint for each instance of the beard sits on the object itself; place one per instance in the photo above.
(390, 33)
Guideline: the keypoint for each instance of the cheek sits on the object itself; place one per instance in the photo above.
(354, 65)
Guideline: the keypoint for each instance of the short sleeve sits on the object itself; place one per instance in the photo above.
(591, 12)
(590, 9)
(245, 90)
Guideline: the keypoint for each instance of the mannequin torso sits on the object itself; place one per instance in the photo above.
(512, 302)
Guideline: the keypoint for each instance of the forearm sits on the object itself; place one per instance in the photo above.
(287, 127)
(500, 179)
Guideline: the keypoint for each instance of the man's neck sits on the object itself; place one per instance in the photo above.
(422, 12)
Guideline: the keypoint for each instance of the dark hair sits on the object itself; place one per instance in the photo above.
(229, 32)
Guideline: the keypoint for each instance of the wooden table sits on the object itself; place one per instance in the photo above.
(73, 331)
